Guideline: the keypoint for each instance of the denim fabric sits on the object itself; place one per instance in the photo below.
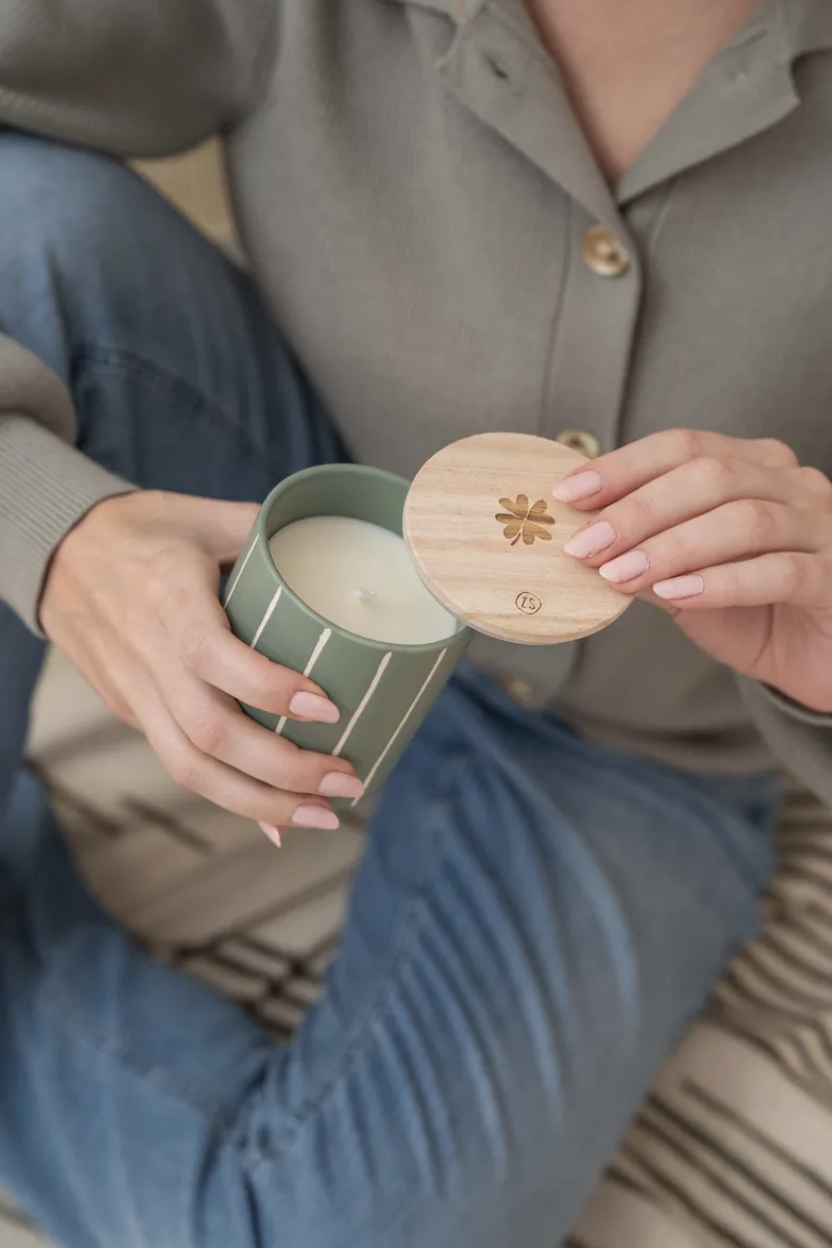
(534, 921)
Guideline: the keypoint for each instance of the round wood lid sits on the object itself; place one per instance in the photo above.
(487, 538)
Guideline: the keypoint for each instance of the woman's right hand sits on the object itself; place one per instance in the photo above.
(131, 596)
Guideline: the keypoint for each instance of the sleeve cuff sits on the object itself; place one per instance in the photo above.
(796, 710)
(46, 487)
(798, 738)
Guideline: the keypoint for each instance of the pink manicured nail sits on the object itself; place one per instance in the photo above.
(591, 541)
(273, 833)
(680, 586)
(339, 784)
(316, 817)
(625, 567)
(582, 485)
(313, 706)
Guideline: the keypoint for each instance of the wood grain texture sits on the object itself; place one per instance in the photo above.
(487, 538)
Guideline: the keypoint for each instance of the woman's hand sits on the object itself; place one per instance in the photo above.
(131, 598)
(732, 537)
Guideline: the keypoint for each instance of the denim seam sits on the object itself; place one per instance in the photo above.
(136, 366)
(378, 1008)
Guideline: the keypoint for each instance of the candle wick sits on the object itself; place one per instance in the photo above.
(365, 595)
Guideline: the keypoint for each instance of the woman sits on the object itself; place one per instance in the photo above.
(599, 217)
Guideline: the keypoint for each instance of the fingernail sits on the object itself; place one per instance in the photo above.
(582, 485)
(339, 784)
(625, 567)
(591, 540)
(316, 817)
(313, 706)
(680, 587)
(273, 833)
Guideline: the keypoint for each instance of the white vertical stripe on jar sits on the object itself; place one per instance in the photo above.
(359, 710)
(404, 720)
(269, 613)
(313, 659)
(236, 580)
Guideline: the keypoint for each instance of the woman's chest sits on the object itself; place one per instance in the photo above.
(437, 278)
(628, 67)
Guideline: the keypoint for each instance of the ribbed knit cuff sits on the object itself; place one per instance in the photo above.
(46, 487)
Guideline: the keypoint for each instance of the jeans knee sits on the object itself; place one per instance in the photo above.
(74, 226)
(64, 199)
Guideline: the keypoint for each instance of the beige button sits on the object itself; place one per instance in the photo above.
(604, 253)
(580, 440)
(522, 692)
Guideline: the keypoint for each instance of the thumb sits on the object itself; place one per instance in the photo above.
(221, 528)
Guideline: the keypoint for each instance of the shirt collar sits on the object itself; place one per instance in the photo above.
(455, 9)
(745, 89)
(748, 87)
(806, 24)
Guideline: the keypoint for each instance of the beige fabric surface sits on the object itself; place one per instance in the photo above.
(196, 184)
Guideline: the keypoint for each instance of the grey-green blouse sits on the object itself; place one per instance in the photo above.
(414, 196)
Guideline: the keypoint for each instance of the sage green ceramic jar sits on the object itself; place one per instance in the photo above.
(383, 690)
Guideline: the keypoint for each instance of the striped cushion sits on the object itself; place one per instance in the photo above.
(734, 1144)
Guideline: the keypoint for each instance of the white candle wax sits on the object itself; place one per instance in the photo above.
(359, 577)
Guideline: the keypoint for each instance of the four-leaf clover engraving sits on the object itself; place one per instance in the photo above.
(524, 520)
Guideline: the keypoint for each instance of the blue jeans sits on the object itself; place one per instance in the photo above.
(534, 921)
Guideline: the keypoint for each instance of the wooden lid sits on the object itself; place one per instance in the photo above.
(487, 538)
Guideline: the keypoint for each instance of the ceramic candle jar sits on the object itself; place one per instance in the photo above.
(327, 587)
(309, 613)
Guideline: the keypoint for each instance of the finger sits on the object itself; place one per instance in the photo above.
(213, 654)
(793, 577)
(199, 631)
(223, 785)
(112, 669)
(621, 471)
(219, 528)
(681, 494)
(272, 833)
(734, 531)
(214, 723)
(228, 530)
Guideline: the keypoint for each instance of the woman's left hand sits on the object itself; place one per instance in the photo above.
(732, 537)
